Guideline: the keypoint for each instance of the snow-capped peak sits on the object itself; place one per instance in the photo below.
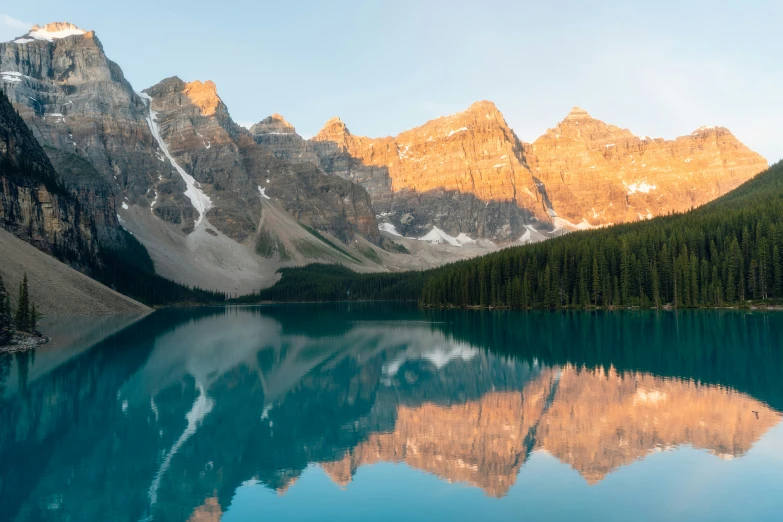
(54, 31)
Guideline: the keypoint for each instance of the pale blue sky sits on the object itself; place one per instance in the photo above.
(663, 68)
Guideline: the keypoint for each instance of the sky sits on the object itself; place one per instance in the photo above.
(660, 69)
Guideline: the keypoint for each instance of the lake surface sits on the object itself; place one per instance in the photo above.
(385, 412)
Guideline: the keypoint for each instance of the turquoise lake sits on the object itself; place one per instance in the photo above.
(386, 412)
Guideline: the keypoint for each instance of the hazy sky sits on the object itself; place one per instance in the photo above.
(662, 69)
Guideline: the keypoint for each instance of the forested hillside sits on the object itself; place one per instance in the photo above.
(726, 252)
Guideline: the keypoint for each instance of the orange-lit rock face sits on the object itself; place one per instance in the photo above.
(209, 511)
(204, 96)
(603, 174)
(474, 151)
(441, 174)
(592, 421)
(579, 174)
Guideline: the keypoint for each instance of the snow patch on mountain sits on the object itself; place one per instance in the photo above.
(198, 199)
(464, 239)
(639, 186)
(388, 227)
(564, 224)
(55, 31)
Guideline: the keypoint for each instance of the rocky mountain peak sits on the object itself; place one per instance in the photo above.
(52, 31)
(578, 113)
(274, 124)
(598, 174)
(334, 130)
(483, 107)
(711, 129)
(204, 96)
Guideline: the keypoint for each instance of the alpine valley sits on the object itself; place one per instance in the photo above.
(96, 170)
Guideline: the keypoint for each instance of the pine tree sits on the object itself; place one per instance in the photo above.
(22, 317)
(625, 272)
(6, 323)
(656, 291)
(33, 318)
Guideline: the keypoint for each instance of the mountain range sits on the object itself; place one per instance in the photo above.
(223, 207)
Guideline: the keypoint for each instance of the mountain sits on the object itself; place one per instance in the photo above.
(469, 174)
(172, 155)
(463, 174)
(232, 170)
(224, 207)
(598, 174)
(78, 101)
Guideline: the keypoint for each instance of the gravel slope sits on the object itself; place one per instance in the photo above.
(56, 289)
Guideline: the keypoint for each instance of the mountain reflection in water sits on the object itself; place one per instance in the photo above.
(167, 418)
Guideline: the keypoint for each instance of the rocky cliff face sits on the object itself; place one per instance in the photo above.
(462, 174)
(78, 101)
(469, 173)
(281, 138)
(599, 174)
(34, 204)
(236, 173)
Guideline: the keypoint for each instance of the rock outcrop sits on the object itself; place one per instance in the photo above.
(281, 138)
(34, 204)
(598, 174)
(236, 173)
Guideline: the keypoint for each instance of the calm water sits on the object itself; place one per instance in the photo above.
(378, 412)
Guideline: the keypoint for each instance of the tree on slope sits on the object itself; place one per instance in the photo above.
(22, 316)
(6, 323)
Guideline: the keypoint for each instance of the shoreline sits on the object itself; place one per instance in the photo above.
(21, 342)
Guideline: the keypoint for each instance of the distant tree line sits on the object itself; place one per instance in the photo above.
(321, 282)
(726, 252)
(723, 253)
(23, 319)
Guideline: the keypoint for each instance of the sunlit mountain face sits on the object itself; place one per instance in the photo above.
(180, 415)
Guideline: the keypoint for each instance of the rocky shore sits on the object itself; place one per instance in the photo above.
(21, 342)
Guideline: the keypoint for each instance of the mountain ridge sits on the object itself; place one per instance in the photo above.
(551, 181)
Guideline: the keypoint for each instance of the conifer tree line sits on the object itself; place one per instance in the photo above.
(23, 319)
(727, 252)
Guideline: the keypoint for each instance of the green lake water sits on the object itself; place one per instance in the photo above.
(385, 412)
